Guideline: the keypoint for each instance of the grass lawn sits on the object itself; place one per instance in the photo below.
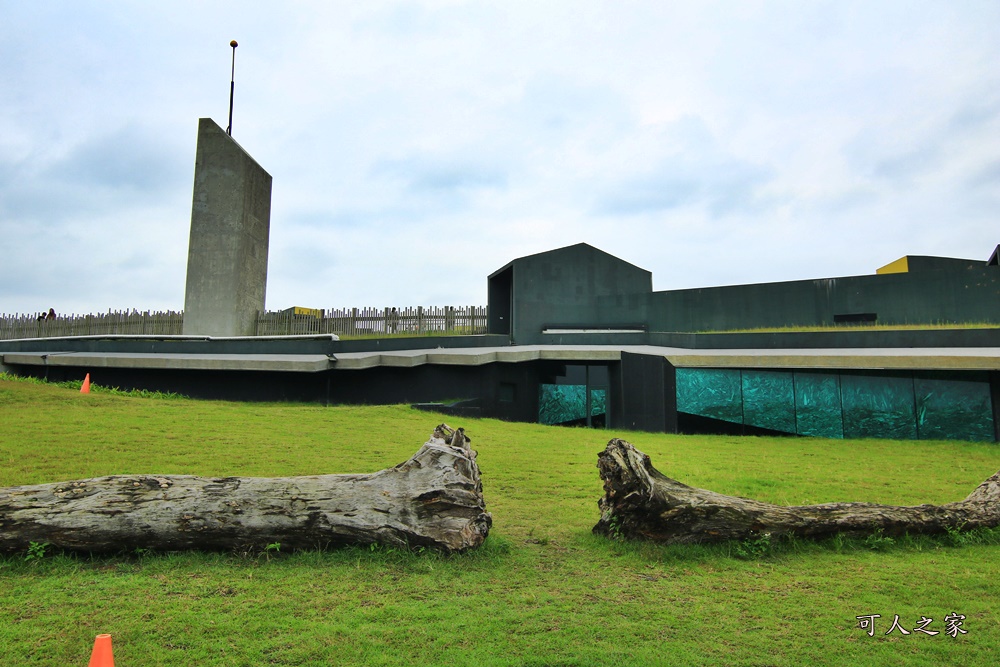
(862, 327)
(542, 591)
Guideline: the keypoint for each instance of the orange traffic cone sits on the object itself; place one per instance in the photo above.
(85, 389)
(101, 657)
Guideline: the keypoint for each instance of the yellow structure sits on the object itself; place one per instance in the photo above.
(901, 265)
(308, 312)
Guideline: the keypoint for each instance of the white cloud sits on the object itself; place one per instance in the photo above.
(418, 146)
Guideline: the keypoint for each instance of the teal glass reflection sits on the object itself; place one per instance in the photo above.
(769, 400)
(710, 392)
(561, 403)
(598, 402)
(952, 409)
(878, 407)
(924, 404)
(817, 405)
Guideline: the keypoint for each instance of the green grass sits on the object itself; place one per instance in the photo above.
(542, 591)
(95, 388)
(460, 331)
(862, 327)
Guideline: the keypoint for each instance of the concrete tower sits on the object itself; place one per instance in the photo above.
(227, 252)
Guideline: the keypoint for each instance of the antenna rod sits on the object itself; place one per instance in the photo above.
(232, 88)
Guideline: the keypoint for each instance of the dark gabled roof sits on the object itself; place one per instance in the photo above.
(576, 247)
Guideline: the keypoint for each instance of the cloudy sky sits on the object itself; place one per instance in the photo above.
(416, 147)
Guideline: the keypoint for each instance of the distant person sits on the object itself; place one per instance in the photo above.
(51, 315)
(41, 317)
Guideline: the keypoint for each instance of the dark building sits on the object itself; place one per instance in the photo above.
(574, 287)
(581, 287)
(578, 337)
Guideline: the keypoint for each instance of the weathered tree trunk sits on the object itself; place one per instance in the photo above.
(640, 502)
(433, 500)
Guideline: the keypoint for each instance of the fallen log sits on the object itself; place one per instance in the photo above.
(642, 503)
(433, 500)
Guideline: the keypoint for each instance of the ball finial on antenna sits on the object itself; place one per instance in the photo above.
(232, 87)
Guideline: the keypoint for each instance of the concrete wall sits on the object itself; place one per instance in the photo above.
(230, 225)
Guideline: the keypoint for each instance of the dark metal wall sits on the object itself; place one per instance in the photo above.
(502, 390)
(646, 396)
(928, 297)
(561, 288)
(255, 345)
(500, 294)
(582, 287)
(995, 394)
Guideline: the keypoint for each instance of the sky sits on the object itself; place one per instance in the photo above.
(417, 147)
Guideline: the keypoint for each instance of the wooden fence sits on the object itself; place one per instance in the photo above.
(111, 323)
(346, 322)
(352, 322)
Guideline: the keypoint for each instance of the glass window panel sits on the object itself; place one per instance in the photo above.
(878, 407)
(951, 409)
(599, 408)
(817, 405)
(561, 403)
(769, 400)
(710, 392)
(598, 402)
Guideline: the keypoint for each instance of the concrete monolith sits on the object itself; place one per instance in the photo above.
(230, 223)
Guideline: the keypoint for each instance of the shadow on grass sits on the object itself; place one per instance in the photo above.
(39, 558)
(766, 547)
(496, 552)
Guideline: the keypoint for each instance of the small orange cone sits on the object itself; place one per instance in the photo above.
(101, 657)
(85, 389)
